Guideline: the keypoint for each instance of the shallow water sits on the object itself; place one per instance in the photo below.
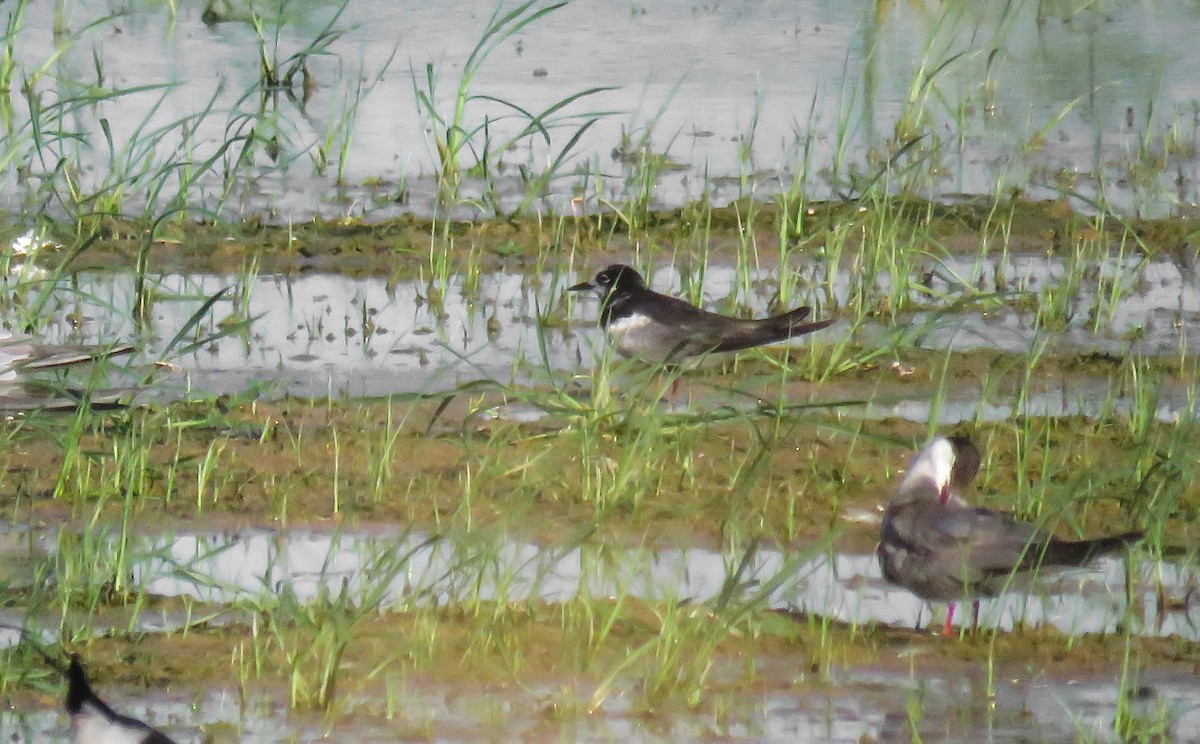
(401, 569)
(1031, 96)
(255, 566)
(331, 335)
(864, 705)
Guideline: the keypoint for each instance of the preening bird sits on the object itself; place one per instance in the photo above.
(943, 550)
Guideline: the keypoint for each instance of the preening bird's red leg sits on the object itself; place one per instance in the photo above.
(946, 629)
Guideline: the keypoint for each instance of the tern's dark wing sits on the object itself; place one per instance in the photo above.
(700, 331)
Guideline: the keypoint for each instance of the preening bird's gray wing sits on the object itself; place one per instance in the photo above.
(988, 541)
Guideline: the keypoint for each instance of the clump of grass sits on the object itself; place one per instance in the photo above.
(455, 135)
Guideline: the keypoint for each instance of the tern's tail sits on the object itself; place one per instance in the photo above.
(1079, 552)
(770, 330)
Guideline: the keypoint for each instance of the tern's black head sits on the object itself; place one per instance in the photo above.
(614, 278)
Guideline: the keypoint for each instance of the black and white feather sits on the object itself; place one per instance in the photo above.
(93, 722)
(657, 328)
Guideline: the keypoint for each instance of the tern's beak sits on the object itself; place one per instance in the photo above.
(581, 287)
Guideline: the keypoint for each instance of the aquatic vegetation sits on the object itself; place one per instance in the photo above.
(454, 135)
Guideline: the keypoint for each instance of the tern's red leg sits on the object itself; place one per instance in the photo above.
(946, 629)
